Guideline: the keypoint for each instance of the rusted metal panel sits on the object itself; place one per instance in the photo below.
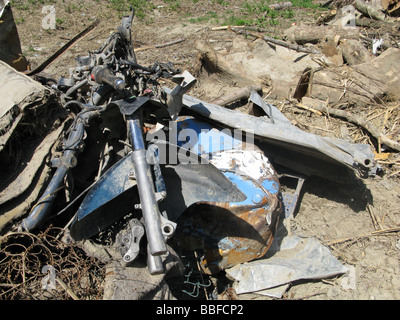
(290, 146)
(235, 232)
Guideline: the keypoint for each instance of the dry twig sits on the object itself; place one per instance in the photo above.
(365, 235)
(375, 219)
(67, 289)
(379, 136)
(305, 107)
(281, 43)
(161, 45)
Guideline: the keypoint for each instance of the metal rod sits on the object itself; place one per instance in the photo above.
(149, 205)
(136, 135)
(41, 210)
(154, 263)
(68, 160)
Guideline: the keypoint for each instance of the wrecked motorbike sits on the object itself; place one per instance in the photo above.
(167, 174)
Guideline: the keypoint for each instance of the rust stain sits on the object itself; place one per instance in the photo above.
(234, 233)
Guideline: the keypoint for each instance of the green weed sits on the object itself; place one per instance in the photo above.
(173, 4)
(123, 6)
(258, 13)
(210, 15)
(27, 5)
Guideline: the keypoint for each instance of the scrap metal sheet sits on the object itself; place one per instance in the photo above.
(280, 132)
(295, 259)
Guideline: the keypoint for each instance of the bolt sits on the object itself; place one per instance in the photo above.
(257, 198)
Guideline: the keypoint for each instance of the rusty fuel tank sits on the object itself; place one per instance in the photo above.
(229, 233)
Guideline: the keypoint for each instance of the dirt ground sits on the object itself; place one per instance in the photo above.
(328, 211)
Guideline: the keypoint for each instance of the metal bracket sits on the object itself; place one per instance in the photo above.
(130, 241)
(167, 227)
(290, 199)
(174, 98)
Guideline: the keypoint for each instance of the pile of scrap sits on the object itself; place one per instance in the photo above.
(328, 70)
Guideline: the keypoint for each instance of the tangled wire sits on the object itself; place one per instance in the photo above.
(38, 267)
